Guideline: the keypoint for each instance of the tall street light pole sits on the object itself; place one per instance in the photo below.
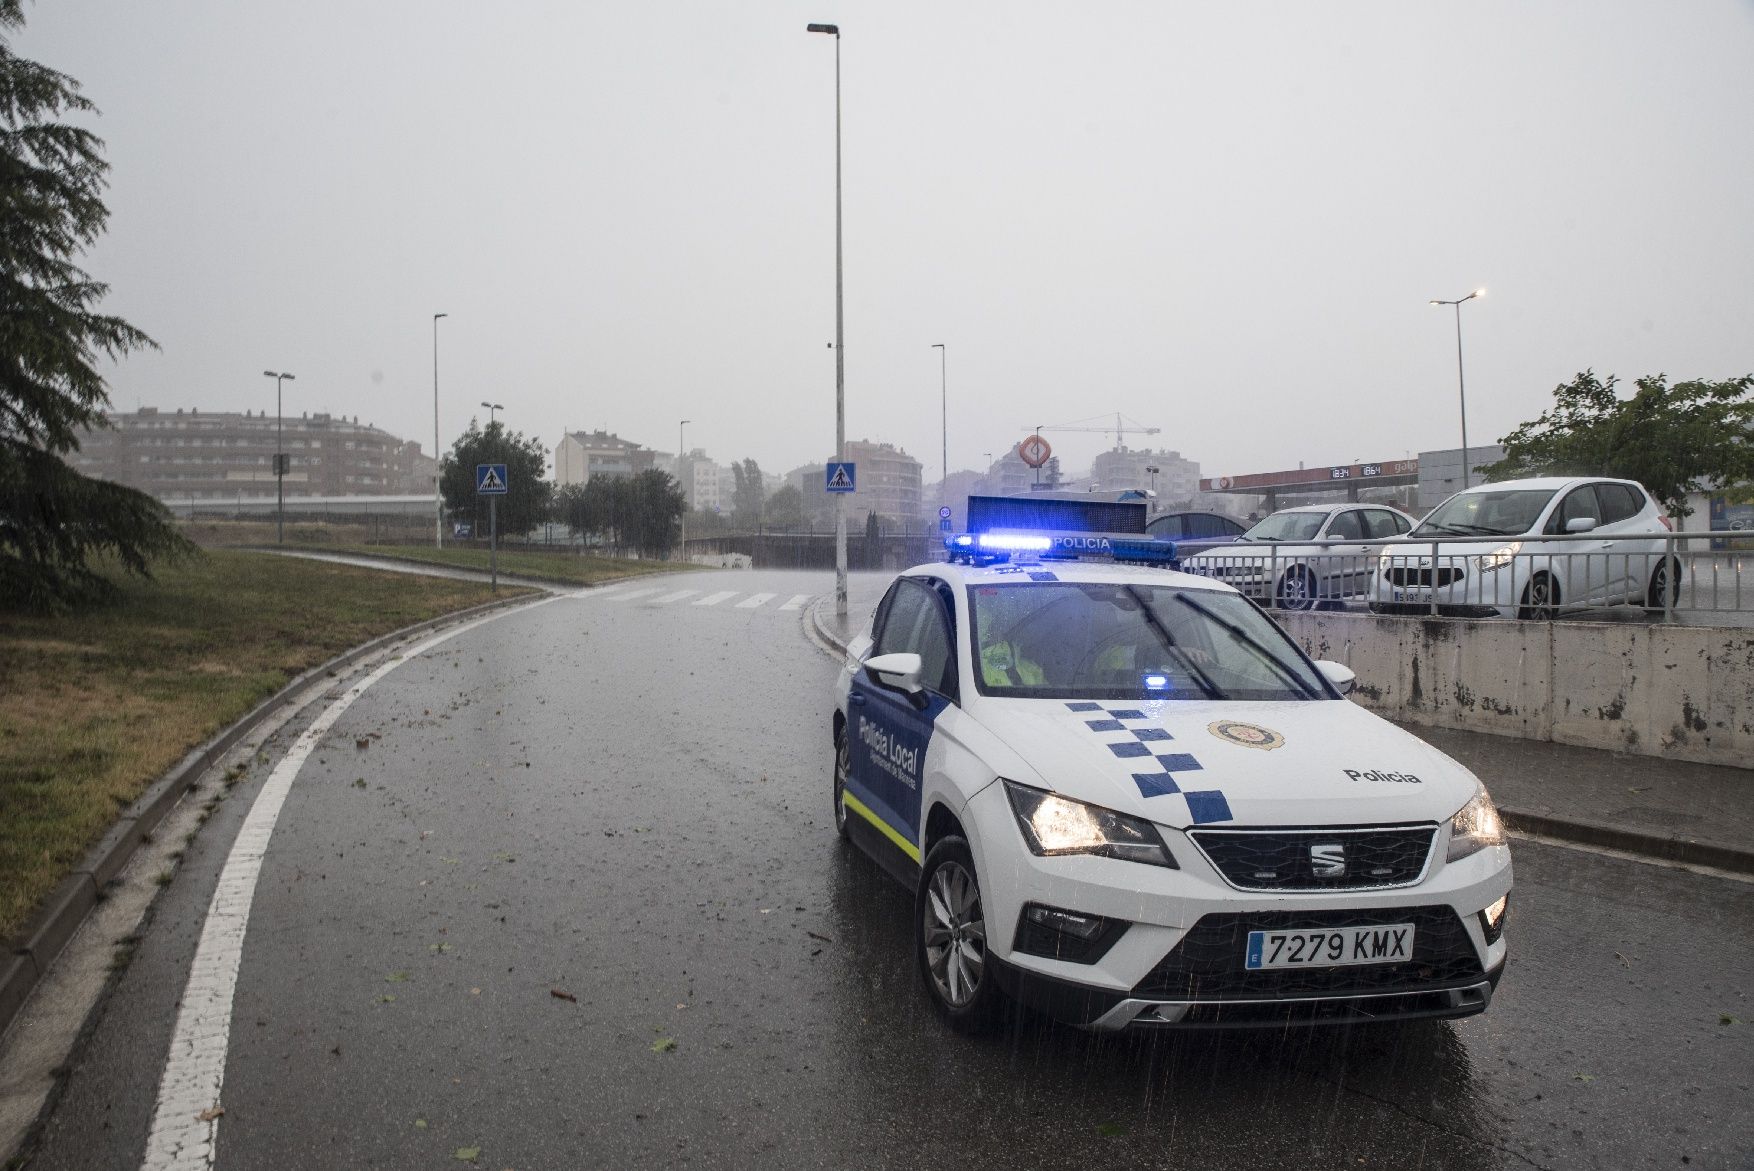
(492, 407)
(840, 346)
(438, 506)
(279, 460)
(681, 448)
(1461, 383)
(944, 418)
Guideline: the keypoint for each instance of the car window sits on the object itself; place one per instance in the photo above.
(1499, 513)
(1618, 502)
(1212, 526)
(1168, 527)
(1089, 640)
(1579, 502)
(1287, 526)
(1347, 526)
(916, 622)
(1379, 523)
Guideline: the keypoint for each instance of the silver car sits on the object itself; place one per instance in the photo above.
(1300, 557)
(1531, 548)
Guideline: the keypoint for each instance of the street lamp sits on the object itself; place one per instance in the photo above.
(1461, 383)
(840, 346)
(279, 460)
(944, 417)
(438, 506)
(492, 407)
(681, 447)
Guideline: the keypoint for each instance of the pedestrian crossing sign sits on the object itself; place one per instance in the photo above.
(839, 477)
(490, 480)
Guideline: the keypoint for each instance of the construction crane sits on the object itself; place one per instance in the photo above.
(1119, 430)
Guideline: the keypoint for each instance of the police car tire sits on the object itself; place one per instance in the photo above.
(842, 762)
(982, 1011)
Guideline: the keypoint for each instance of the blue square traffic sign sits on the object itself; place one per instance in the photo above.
(490, 480)
(838, 477)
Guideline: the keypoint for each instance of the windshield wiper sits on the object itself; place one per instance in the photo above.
(1244, 636)
(1212, 690)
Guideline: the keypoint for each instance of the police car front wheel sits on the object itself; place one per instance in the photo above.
(843, 763)
(951, 938)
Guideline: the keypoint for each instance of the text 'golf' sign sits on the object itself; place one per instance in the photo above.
(490, 480)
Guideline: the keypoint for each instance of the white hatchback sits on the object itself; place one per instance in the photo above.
(1532, 548)
(1299, 558)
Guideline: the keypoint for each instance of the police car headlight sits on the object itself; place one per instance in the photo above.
(1476, 826)
(1054, 825)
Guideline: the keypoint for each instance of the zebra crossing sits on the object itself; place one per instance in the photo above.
(728, 599)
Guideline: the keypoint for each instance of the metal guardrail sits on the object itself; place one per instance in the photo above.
(1666, 575)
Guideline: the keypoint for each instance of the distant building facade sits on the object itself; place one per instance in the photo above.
(224, 455)
(1440, 472)
(888, 484)
(582, 454)
(1122, 469)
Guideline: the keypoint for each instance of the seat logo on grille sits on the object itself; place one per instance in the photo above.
(1328, 859)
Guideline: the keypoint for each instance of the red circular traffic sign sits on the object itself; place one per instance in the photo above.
(1034, 451)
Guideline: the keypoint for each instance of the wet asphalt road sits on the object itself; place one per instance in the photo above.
(628, 803)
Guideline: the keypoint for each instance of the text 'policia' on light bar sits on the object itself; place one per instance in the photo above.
(1003, 528)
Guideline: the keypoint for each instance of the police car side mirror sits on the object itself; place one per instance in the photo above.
(899, 671)
(1339, 674)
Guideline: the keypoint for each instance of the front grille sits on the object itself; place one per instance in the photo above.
(1287, 859)
(1421, 577)
(1207, 963)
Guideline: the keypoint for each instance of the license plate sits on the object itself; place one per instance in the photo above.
(1412, 595)
(1390, 944)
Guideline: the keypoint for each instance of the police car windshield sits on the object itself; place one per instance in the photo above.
(1287, 526)
(1090, 640)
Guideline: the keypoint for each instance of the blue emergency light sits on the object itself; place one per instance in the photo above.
(1005, 528)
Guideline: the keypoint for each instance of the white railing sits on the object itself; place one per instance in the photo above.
(1665, 575)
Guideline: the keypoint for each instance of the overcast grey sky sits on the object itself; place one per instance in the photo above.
(1223, 219)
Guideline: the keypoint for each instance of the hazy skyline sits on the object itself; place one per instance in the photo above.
(1221, 220)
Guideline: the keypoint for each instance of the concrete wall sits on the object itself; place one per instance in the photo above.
(1685, 692)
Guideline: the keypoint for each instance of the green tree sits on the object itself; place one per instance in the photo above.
(525, 503)
(749, 493)
(641, 512)
(785, 510)
(53, 520)
(1675, 440)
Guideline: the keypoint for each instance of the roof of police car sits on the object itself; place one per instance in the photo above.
(1072, 571)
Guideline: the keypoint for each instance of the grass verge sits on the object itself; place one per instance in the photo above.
(102, 702)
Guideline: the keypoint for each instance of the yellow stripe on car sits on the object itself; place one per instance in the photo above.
(883, 827)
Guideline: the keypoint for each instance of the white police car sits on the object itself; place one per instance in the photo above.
(1123, 795)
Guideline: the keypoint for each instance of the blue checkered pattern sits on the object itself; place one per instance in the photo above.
(1141, 742)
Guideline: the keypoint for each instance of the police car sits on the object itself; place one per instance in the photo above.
(1124, 796)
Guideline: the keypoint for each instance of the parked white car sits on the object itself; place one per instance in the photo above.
(1277, 559)
(1532, 548)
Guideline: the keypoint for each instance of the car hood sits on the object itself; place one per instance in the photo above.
(1312, 762)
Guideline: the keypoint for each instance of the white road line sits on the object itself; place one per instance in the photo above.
(796, 601)
(754, 600)
(194, 1072)
(672, 597)
(715, 599)
(630, 595)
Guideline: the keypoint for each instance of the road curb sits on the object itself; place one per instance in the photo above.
(1583, 833)
(534, 579)
(43, 936)
(1666, 849)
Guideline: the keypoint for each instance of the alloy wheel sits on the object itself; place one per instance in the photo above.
(955, 934)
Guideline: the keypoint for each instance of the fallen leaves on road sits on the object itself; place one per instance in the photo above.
(209, 1114)
(664, 1045)
(563, 994)
(395, 977)
(1586, 1078)
(467, 1154)
(1110, 1129)
(817, 935)
(1725, 1018)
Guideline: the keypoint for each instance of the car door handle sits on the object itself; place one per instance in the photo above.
(856, 697)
